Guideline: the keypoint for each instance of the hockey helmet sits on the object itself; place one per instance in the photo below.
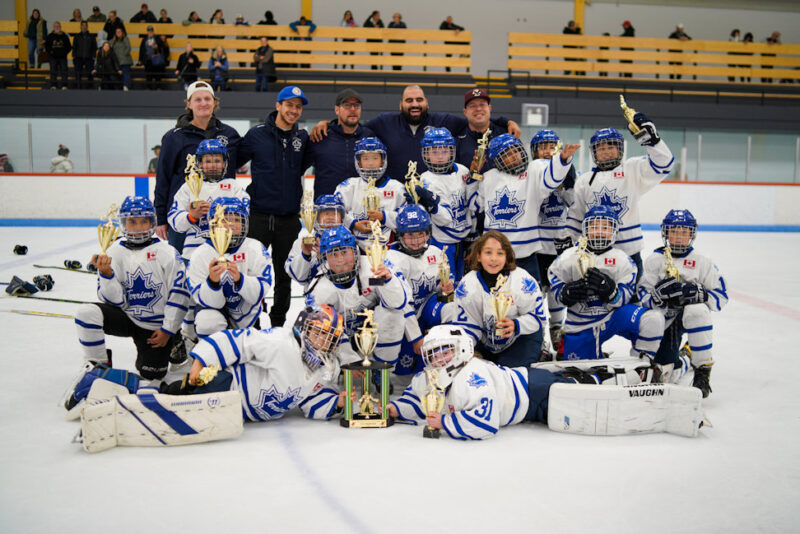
(132, 207)
(319, 328)
(435, 140)
(370, 145)
(327, 203)
(212, 146)
(236, 211)
(447, 349)
(679, 219)
(542, 137)
(607, 137)
(600, 225)
(508, 154)
(335, 244)
(413, 218)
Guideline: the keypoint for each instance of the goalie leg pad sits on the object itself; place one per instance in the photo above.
(161, 420)
(617, 410)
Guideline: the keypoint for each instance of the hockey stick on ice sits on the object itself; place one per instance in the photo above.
(84, 271)
(41, 314)
(52, 299)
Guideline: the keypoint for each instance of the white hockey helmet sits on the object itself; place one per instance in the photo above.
(447, 349)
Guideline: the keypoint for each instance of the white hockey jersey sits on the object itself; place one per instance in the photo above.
(482, 398)
(148, 284)
(511, 203)
(352, 190)
(452, 221)
(197, 232)
(269, 374)
(241, 301)
(553, 217)
(300, 267)
(594, 312)
(475, 314)
(620, 189)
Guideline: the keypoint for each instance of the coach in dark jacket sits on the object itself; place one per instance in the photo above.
(478, 111)
(277, 154)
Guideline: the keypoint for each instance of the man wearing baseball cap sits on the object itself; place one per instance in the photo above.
(96, 16)
(276, 150)
(144, 15)
(478, 111)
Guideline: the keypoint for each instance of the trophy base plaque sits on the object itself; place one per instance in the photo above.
(478, 177)
(377, 282)
(367, 422)
(433, 433)
(373, 412)
(310, 240)
(444, 298)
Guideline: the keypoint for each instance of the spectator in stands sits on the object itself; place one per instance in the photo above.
(58, 47)
(604, 73)
(154, 55)
(61, 163)
(152, 167)
(333, 156)
(5, 164)
(216, 17)
(194, 126)
(572, 29)
(122, 48)
(397, 23)
(36, 32)
(680, 35)
(269, 19)
(240, 20)
(748, 38)
(264, 60)
(347, 22)
(84, 48)
(627, 31)
(302, 21)
(186, 70)
(113, 24)
(106, 67)
(193, 18)
(218, 69)
(448, 24)
(96, 16)
(144, 15)
(278, 157)
(735, 37)
(164, 17)
(773, 39)
(374, 21)
(76, 15)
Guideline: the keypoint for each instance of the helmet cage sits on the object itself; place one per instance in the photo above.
(599, 243)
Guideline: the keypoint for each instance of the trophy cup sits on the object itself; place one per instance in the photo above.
(107, 233)
(629, 113)
(207, 374)
(308, 216)
(480, 155)
(220, 234)
(376, 252)
(372, 202)
(585, 258)
(367, 416)
(501, 300)
(194, 179)
(432, 401)
(412, 181)
(670, 269)
(444, 276)
(557, 149)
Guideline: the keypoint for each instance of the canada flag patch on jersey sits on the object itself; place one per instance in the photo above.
(366, 292)
(225, 187)
(523, 176)
(619, 174)
(689, 264)
(610, 261)
(388, 194)
(431, 259)
(238, 258)
(151, 256)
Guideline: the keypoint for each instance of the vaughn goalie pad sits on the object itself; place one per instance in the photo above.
(615, 410)
(151, 420)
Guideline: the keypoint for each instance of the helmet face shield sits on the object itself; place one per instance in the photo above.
(415, 243)
(370, 158)
(512, 160)
(608, 149)
(236, 218)
(446, 349)
(320, 329)
(600, 232)
(341, 264)
(678, 230)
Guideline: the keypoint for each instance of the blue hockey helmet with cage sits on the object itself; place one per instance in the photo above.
(679, 219)
(609, 136)
(319, 329)
(132, 207)
(236, 211)
(331, 241)
(328, 203)
(370, 144)
(542, 137)
(413, 218)
(508, 154)
(438, 138)
(212, 146)
(600, 240)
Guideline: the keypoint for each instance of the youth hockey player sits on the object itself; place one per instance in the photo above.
(687, 302)
(515, 340)
(303, 261)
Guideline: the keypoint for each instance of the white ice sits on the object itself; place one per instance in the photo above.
(294, 475)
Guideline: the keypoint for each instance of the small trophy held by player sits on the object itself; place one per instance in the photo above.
(372, 201)
(376, 252)
(585, 258)
(480, 156)
(669, 267)
(412, 181)
(207, 374)
(432, 401)
(500, 300)
(194, 178)
(629, 113)
(308, 216)
(557, 149)
(108, 232)
(444, 276)
(220, 234)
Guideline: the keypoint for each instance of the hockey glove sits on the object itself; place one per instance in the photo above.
(562, 245)
(693, 293)
(601, 284)
(428, 199)
(44, 282)
(647, 135)
(574, 292)
(667, 292)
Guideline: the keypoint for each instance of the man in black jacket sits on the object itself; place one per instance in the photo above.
(58, 47)
(84, 48)
(277, 153)
(144, 15)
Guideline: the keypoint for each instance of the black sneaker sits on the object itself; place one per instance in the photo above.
(701, 379)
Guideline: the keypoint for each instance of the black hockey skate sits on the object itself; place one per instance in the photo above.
(702, 375)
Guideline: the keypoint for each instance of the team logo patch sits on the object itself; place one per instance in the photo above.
(151, 256)
(422, 287)
(529, 286)
(689, 264)
(552, 210)
(297, 144)
(142, 293)
(610, 261)
(238, 258)
(608, 197)
(223, 139)
(458, 211)
(273, 403)
(213, 402)
(505, 209)
(477, 381)
(461, 290)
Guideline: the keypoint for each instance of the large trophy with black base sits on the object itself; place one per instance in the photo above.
(369, 415)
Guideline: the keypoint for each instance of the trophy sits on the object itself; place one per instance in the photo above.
(372, 202)
(194, 179)
(670, 269)
(501, 300)
(367, 416)
(220, 234)
(376, 252)
(308, 216)
(412, 181)
(107, 233)
(207, 374)
(585, 258)
(432, 401)
(629, 113)
(444, 276)
(480, 155)
(557, 149)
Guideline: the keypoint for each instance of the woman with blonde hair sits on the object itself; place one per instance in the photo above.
(218, 69)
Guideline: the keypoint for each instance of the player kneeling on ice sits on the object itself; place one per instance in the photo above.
(687, 287)
(141, 287)
(303, 262)
(481, 397)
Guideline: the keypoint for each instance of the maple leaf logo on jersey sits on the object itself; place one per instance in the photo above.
(422, 287)
(529, 286)
(461, 290)
(552, 210)
(475, 380)
(233, 300)
(608, 197)
(272, 403)
(505, 209)
(141, 292)
(458, 211)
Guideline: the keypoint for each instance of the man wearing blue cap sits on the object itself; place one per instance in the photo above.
(277, 153)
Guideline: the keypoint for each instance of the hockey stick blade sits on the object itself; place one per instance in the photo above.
(41, 314)
(84, 271)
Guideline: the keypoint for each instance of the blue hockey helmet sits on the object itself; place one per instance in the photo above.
(600, 225)
(607, 137)
(413, 218)
(212, 146)
(436, 140)
(319, 329)
(237, 216)
(540, 138)
(680, 244)
(325, 204)
(508, 154)
(336, 246)
(137, 207)
(365, 145)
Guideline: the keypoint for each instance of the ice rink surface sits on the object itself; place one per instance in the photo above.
(294, 475)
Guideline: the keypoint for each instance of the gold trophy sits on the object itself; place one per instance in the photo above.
(207, 374)
(480, 155)
(444, 276)
(432, 401)
(367, 416)
(220, 234)
(557, 149)
(501, 300)
(585, 258)
(412, 181)
(308, 216)
(670, 269)
(376, 252)
(108, 232)
(629, 113)
(194, 178)
(372, 202)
